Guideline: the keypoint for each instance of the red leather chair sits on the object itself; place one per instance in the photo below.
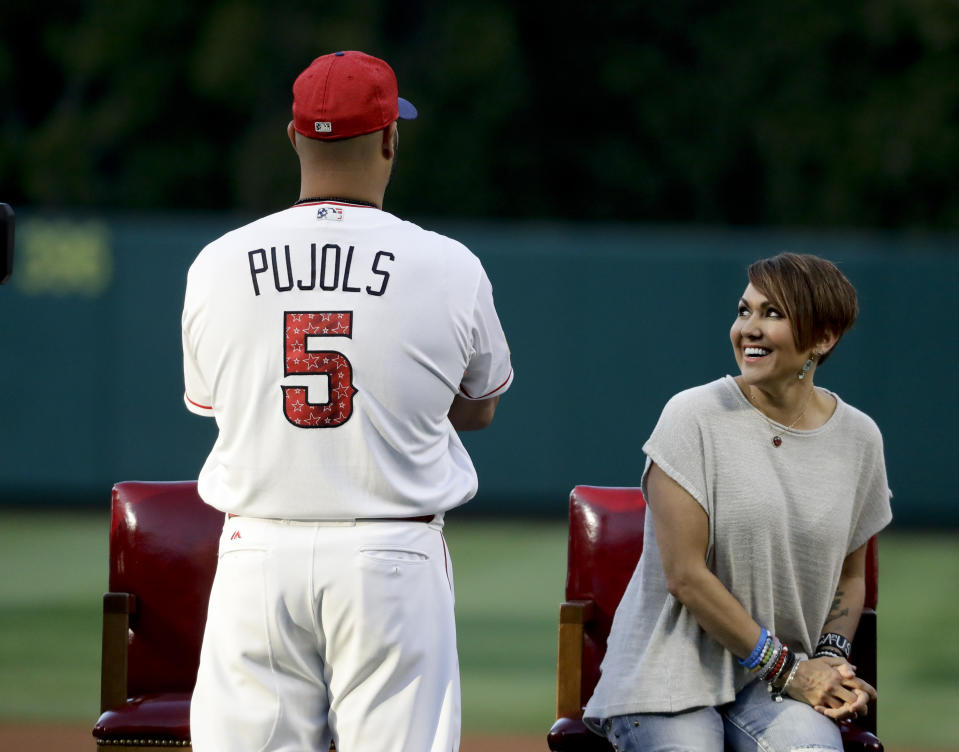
(605, 543)
(163, 553)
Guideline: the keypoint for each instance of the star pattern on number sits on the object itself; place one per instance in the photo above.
(303, 360)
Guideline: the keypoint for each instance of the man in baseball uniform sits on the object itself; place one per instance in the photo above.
(339, 349)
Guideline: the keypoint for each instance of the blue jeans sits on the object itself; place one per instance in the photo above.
(752, 722)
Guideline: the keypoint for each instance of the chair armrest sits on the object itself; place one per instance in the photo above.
(571, 735)
(117, 610)
(569, 665)
(857, 739)
(864, 659)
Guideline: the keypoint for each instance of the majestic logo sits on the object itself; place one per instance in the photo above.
(236, 535)
(330, 213)
(322, 126)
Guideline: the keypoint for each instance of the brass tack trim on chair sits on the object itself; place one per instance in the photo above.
(142, 742)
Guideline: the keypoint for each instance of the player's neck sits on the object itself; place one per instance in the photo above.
(344, 185)
(342, 194)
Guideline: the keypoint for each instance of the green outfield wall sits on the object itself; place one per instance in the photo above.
(605, 323)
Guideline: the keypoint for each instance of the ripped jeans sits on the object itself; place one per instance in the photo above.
(753, 721)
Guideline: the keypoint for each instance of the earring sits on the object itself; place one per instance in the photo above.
(807, 366)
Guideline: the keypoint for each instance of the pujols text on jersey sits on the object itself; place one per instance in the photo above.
(327, 267)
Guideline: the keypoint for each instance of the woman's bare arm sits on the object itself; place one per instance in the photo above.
(682, 534)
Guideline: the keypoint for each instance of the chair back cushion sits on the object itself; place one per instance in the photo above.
(605, 542)
(163, 550)
(872, 574)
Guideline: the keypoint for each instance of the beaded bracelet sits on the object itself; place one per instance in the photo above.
(779, 693)
(771, 659)
(753, 660)
(785, 668)
(776, 669)
(768, 650)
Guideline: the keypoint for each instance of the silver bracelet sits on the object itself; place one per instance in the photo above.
(778, 694)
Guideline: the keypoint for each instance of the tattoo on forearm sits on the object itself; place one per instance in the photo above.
(835, 612)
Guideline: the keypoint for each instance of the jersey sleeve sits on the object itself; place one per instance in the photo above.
(196, 396)
(490, 370)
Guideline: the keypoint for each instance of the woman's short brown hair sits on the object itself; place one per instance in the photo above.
(815, 296)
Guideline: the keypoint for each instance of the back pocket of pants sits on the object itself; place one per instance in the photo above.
(404, 555)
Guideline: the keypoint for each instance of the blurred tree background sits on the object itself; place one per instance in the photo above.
(801, 112)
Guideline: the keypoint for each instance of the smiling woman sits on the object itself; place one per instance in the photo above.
(813, 294)
(794, 311)
(736, 626)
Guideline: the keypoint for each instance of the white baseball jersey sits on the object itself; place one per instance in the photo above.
(328, 340)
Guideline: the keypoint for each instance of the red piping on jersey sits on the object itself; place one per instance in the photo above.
(205, 407)
(462, 389)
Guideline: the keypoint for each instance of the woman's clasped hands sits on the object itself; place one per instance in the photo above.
(831, 686)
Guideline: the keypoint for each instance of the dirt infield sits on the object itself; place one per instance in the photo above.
(78, 739)
(53, 738)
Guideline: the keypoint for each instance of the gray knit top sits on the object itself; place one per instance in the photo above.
(781, 522)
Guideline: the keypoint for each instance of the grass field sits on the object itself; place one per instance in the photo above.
(509, 582)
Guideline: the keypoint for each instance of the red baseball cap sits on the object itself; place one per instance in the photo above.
(347, 94)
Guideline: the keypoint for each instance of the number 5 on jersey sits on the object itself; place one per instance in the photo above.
(299, 326)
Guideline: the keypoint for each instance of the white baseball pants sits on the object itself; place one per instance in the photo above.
(329, 630)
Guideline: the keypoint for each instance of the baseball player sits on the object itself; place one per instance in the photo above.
(339, 349)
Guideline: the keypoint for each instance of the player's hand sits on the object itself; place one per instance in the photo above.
(831, 686)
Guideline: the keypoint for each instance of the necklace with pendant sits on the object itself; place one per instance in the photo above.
(777, 439)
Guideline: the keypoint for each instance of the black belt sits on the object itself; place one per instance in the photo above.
(421, 518)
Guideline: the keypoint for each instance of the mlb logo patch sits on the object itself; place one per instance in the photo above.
(322, 126)
(332, 213)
